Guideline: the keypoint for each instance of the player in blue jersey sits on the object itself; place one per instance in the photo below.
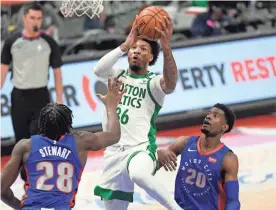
(207, 175)
(55, 159)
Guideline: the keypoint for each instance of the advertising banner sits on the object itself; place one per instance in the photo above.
(230, 72)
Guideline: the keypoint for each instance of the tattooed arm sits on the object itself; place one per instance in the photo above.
(168, 82)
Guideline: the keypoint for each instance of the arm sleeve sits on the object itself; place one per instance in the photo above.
(104, 66)
(55, 56)
(6, 56)
(232, 195)
(156, 90)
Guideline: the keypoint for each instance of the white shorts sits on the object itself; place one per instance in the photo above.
(115, 180)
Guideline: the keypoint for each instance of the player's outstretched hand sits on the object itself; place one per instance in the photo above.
(166, 32)
(167, 159)
(114, 95)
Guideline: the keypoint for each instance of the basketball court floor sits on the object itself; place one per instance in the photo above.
(253, 140)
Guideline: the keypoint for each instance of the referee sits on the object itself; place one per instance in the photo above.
(31, 53)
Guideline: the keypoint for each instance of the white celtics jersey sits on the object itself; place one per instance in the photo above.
(138, 108)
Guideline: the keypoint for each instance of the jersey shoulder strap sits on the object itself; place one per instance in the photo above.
(224, 150)
(151, 75)
(191, 143)
(36, 142)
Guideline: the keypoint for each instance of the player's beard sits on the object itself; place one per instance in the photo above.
(135, 68)
(205, 131)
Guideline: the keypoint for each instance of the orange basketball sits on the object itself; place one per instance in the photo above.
(148, 19)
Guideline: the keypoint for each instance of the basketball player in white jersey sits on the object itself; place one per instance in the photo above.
(133, 159)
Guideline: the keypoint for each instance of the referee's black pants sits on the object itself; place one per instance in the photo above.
(25, 109)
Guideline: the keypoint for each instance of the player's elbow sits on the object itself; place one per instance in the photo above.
(169, 87)
(173, 84)
(117, 136)
(4, 192)
(116, 141)
(97, 71)
(3, 187)
(3, 195)
(113, 138)
(169, 91)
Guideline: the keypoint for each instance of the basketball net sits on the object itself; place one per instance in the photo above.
(81, 7)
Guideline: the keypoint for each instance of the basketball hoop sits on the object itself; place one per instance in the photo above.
(81, 7)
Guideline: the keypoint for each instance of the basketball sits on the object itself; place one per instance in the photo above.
(148, 19)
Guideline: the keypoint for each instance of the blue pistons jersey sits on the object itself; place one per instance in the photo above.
(53, 171)
(198, 184)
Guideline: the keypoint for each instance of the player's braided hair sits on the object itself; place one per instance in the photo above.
(55, 120)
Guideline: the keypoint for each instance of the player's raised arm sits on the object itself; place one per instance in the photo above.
(168, 157)
(111, 100)
(131, 39)
(10, 173)
(168, 82)
(104, 67)
(230, 166)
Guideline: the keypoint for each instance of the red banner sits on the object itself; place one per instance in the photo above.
(4, 2)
